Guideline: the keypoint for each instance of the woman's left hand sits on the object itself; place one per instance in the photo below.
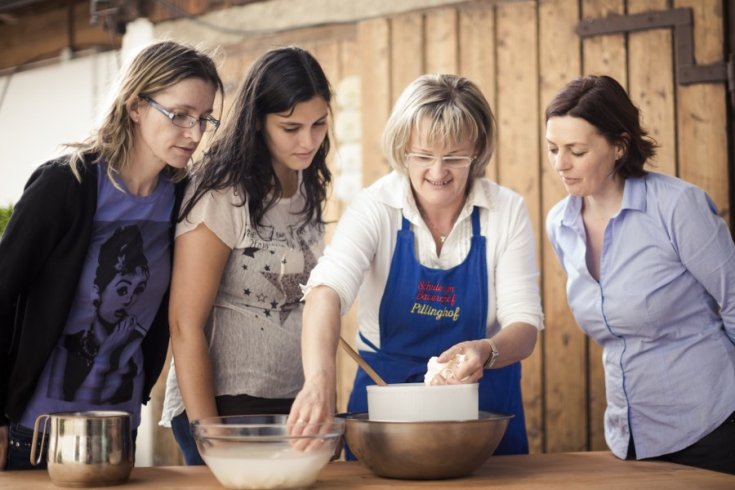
(470, 370)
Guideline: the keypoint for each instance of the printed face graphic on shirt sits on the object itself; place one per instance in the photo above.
(98, 362)
(122, 275)
(114, 301)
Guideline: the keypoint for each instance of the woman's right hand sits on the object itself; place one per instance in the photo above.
(312, 408)
(313, 404)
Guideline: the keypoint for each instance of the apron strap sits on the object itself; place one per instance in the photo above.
(475, 221)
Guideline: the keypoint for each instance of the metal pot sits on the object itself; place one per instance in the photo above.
(86, 448)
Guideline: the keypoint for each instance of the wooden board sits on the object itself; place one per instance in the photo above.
(565, 368)
(601, 55)
(406, 51)
(477, 57)
(42, 31)
(374, 51)
(518, 155)
(564, 471)
(441, 40)
(651, 84)
(702, 111)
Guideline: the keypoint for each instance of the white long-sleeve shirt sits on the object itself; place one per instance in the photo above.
(358, 259)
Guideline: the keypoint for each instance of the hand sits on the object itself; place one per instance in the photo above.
(310, 412)
(468, 371)
(3, 447)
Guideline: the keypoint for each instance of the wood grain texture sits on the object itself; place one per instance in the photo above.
(651, 84)
(601, 55)
(702, 111)
(441, 41)
(477, 57)
(373, 38)
(562, 471)
(565, 367)
(406, 51)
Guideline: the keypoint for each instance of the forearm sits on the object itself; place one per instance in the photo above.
(515, 342)
(319, 338)
(199, 262)
(194, 373)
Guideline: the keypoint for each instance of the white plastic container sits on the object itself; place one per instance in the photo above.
(417, 402)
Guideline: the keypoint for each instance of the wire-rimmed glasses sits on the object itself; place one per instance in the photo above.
(182, 120)
(426, 160)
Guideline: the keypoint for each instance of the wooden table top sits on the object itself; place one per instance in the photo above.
(538, 471)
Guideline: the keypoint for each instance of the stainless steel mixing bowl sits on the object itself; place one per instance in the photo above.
(424, 450)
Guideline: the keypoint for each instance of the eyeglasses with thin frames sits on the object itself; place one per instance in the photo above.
(425, 160)
(182, 120)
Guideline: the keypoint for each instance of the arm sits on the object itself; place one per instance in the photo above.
(199, 261)
(517, 294)
(319, 337)
(705, 247)
(40, 220)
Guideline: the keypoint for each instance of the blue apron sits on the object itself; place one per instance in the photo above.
(425, 311)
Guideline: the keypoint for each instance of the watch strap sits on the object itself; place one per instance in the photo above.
(494, 354)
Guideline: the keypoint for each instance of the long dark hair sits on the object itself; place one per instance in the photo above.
(603, 102)
(239, 158)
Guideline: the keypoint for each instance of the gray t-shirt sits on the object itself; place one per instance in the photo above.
(254, 329)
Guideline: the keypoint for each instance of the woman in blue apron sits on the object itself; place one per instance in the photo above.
(404, 353)
(441, 259)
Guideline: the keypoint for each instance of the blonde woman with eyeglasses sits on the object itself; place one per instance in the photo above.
(85, 260)
(441, 258)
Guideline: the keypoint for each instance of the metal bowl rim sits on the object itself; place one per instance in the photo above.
(483, 416)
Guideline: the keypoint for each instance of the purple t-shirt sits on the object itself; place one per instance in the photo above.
(97, 363)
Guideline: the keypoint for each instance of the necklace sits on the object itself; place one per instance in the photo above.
(432, 226)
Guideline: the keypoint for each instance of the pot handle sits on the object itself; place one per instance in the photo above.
(37, 459)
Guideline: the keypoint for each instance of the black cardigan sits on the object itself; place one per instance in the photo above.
(42, 253)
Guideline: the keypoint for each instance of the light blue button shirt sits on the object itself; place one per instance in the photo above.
(664, 311)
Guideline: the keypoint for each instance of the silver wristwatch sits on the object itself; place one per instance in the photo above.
(494, 354)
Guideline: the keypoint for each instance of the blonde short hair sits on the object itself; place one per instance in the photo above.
(456, 110)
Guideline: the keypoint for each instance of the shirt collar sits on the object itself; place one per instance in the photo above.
(394, 190)
(634, 194)
(634, 197)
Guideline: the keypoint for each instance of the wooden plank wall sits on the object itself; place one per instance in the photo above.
(521, 53)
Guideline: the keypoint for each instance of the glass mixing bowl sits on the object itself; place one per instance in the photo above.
(256, 451)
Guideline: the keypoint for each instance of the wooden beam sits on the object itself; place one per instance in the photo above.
(43, 30)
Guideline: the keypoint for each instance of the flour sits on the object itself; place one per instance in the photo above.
(445, 369)
(266, 466)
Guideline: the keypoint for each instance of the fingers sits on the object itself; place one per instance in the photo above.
(310, 416)
(450, 353)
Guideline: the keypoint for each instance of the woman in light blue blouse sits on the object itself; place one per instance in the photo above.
(650, 276)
